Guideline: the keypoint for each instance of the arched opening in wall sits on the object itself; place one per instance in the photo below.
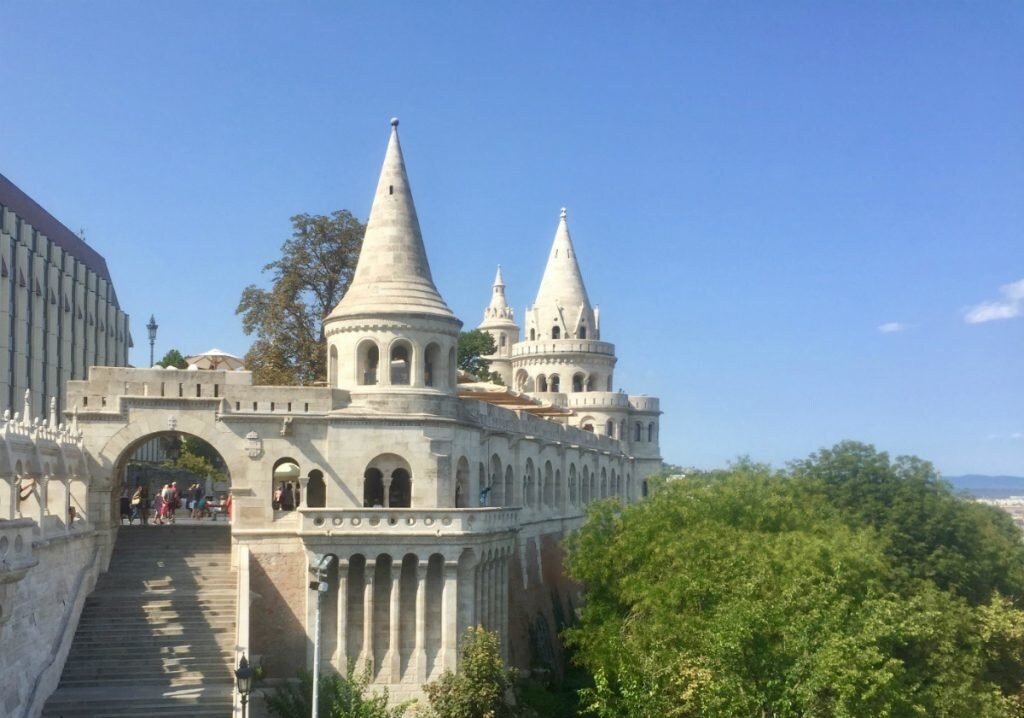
(533, 335)
(587, 423)
(591, 382)
(501, 340)
(356, 591)
(368, 363)
(559, 493)
(510, 483)
(373, 488)
(382, 588)
(556, 332)
(435, 615)
(462, 496)
(408, 587)
(629, 487)
(523, 382)
(541, 643)
(332, 367)
(285, 480)
(487, 496)
(636, 431)
(582, 334)
(497, 495)
(643, 488)
(189, 466)
(555, 383)
(577, 382)
(529, 488)
(400, 492)
(604, 484)
(609, 429)
(401, 358)
(622, 429)
(316, 490)
(573, 496)
(430, 355)
(585, 486)
(547, 498)
(650, 432)
(541, 383)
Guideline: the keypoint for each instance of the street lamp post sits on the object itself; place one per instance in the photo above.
(243, 677)
(151, 328)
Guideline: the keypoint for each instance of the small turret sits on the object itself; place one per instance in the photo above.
(500, 324)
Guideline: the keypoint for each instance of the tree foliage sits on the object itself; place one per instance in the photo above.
(198, 457)
(347, 696)
(308, 281)
(173, 358)
(483, 687)
(473, 347)
(799, 593)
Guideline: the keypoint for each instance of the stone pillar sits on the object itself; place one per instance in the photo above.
(366, 655)
(492, 594)
(449, 613)
(394, 655)
(503, 605)
(420, 652)
(386, 480)
(478, 595)
(341, 643)
(9, 499)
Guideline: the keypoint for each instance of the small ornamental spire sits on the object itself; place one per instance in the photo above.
(27, 413)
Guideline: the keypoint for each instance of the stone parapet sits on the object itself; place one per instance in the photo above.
(409, 522)
(605, 400)
(562, 346)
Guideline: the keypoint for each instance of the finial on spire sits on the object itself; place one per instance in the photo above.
(563, 213)
(394, 122)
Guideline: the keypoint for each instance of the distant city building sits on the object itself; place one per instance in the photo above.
(59, 313)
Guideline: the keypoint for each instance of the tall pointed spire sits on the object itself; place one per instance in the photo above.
(498, 308)
(562, 283)
(393, 275)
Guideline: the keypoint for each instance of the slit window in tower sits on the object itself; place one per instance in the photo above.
(556, 333)
(391, 189)
(583, 332)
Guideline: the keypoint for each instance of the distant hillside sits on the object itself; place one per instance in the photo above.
(988, 487)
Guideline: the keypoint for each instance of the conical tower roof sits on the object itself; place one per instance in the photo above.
(562, 283)
(393, 275)
(498, 312)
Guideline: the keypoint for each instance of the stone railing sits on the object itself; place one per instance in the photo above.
(409, 522)
(562, 346)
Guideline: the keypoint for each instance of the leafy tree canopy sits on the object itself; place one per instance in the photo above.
(308, 281)
(483, 687)
(473, 346)
(760, 593)
(198, 457)
(175, 359)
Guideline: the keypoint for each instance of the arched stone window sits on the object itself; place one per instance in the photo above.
(650, 432)
(547, 497)
(533, 335)
(572, 485)
(498, 496)
(577, 382)
(556, 332)
(368, 363)
(529, 487)
(604, 484)
(610, 429)
(462, 497)
(373, 488)
(591, 383)
(542, 383)
(486, 498)
(510, 483)
(554, 383)
(501, 340)
(430, 364)
(316, 490)
(401, 358)
(285, 475)
(400, 491)
(583, 331)
(636, 431)
(332, 367)
(585, 486)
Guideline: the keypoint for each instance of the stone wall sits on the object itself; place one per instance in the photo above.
(278, 585)
(40, 610)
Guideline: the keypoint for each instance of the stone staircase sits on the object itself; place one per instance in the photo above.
(157, 636)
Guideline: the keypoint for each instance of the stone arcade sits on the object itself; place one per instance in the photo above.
(445, 503)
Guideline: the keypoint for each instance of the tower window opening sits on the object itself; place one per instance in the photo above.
(391, 189)
(556, 332)
(583, 332)
(533, 334)
(400, 365)
(636, 431)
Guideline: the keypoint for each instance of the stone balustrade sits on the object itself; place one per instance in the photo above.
(566, 346)
(409, 522)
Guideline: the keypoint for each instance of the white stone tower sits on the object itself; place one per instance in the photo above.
(392, 334)
(500, 324)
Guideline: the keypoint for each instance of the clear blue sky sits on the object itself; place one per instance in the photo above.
(756, 191)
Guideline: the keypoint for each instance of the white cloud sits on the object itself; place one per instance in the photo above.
(1017, 435)
(1010, 306)
(891, 327)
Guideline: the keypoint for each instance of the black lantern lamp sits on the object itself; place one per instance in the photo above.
(243, 679)
(151, 328)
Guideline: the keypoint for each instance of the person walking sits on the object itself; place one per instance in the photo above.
(140, 502)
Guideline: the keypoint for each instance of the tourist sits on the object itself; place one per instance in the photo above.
(287, 498)
(140, 501)
(277, 496)
(158, 507)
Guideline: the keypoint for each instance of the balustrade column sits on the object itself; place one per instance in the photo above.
(367, 652)
(449, 615)
(421, 623)
(341, 643)
(394, 647)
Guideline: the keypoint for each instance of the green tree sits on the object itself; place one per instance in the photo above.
(473, 346)
(483, 687)
(746, 592)
(199, 458)
(347, 696)
(308, 281)
(175, 359)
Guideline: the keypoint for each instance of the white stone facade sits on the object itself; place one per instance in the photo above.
(432, 509)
